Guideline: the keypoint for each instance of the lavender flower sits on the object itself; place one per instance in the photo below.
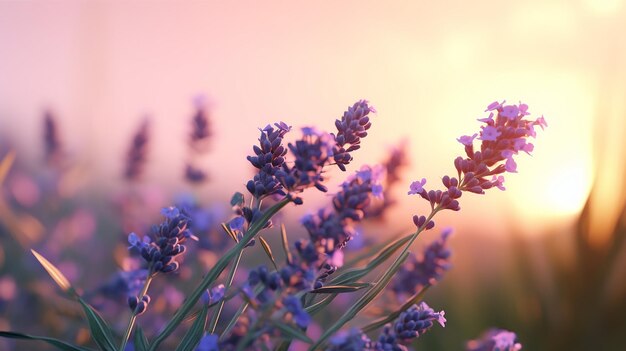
(331, 228)
(350, 129)
(353, 340)
(311, 154)
(294, 306)
(194, 175)
(495, 340)
(268, 159)
(51, 138)
(417, 320)
(501, 138)
(200, 125)
(136, 157)
(428, 269)
(165, 241)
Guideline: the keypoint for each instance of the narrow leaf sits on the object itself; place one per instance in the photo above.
(283, 237)
(140, 340)
(194, 334)
(55, 273)
(100, 331)
(337, 289)
(5, 165)
(60, 344)
(292, 332)
(268, 251)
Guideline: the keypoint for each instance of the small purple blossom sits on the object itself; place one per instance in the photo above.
(209, 342)
(489, 133)
(417, 187)
(466, 139)
(495, 340)
(294, 306)
(494, 106)
(215, 295)
(510, 111)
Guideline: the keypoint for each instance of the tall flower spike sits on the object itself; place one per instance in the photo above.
(428, 269)
(417, 320)
(165, 241)
(495, 340)
(350, 129)
(268, 158)
(51, 138)
(136, 157)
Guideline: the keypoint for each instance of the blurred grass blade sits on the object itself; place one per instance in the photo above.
(194, 334)
(268, 251)
(283, 237)
(100, 331)
(59, 344)
(292, 332)
(140, 340)
(55, 273)
(338, 289)
(5, 165)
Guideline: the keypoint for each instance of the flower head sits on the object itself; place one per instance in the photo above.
(350, 129)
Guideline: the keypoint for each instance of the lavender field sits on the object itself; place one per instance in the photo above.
(337, 176)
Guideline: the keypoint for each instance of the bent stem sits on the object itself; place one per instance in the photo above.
(133, 317)
(214, 273)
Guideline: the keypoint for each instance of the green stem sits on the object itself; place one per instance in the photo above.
(214, 273)
(377, 288)
(133, 317)
(231, 275)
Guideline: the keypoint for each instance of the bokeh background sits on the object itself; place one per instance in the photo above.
(544, 258)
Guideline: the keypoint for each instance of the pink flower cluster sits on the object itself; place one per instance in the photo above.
(504, 134)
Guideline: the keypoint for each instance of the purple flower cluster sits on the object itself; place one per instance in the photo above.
(198, 141)
(331, 228)
(502, 137)
(350, 129)
(428, 269)
(411, 324)
(164, 242)
(311, 154)
(495, 340)
(268, 158)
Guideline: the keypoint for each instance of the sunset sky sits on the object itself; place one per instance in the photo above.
(429, 67)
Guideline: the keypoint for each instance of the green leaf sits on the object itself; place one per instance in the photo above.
(55, 274)
(338, 289)
(268, 251)
(362, 302)
(237, 199)
(140, 340)
(292, 332)
(59, 344)
(214, 273)
(194, 334)
(100, 331)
